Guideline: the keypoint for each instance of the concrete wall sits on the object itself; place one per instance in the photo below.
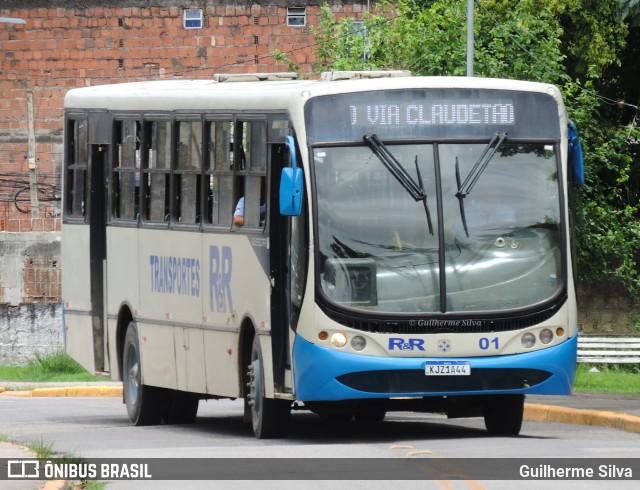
(28, 329)
(30, 307)
(30, 267)
(606, 309)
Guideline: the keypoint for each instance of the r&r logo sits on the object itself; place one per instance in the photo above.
(398, 343)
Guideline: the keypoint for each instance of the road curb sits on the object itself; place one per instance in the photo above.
(564, 415)
(70, 391)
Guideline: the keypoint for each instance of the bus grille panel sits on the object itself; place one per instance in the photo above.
(415, 381)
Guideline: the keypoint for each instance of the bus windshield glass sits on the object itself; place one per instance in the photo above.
(375, 249)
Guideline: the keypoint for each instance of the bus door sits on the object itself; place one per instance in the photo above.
(98, 165)
(279, 233)
(288, 248)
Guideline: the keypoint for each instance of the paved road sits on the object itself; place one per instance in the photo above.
(220, 433)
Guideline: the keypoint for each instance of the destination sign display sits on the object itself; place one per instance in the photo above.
(432, 114)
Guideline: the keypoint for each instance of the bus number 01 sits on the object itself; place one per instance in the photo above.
(485, 343)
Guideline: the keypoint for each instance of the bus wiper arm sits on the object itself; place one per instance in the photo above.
(461, 199)
(424, 201)
(465, 188)
(399, 172)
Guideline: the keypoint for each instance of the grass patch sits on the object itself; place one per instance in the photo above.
(54, 367)
(620, 379)
(41, 450)
(91, 485)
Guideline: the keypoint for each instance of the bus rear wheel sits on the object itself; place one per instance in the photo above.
(269, 417)
(144, 403)
(503, 414)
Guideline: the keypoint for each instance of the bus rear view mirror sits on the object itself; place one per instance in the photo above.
(576, 160)
(291, 191)
(291, 183)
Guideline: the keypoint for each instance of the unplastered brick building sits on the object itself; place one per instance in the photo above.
(50, 46)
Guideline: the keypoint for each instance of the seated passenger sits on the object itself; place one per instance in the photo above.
(238, 214)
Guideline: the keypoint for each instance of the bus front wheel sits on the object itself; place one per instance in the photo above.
(503, 414)
(269, 417)
(144, 403)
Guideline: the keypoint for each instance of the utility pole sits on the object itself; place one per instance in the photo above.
(470, 6)
(33, 180)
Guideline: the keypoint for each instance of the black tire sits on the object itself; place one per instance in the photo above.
(181, 408)
(269, 417)
(503, 414)
(145, 404)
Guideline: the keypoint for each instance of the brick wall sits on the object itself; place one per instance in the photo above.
(66, 44)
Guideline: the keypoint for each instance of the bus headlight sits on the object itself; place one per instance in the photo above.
(528, 340)
(339, 339)
(546, 336)
(358, 343)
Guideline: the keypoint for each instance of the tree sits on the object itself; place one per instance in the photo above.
(580, 45)
(630, 11)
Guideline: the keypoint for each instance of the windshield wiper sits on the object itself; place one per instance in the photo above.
(465, 188)
(415, 190)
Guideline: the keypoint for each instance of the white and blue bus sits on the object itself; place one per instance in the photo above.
(405, 244)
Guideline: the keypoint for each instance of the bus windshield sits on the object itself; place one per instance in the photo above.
(500, 249)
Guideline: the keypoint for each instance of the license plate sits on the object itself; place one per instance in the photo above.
(447, 368)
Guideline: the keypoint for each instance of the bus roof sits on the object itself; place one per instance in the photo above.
(163, 95)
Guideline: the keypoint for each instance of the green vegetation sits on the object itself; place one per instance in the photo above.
(620, 379)
(41, 450)
(56, 367)
(589, 49)
(90, 485)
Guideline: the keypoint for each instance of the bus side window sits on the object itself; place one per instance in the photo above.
(126, 166)
(77, 161)
(187, 171)
(254, 146)
(219, 173)
(157, 165)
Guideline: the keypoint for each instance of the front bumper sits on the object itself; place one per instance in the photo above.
(322, 374)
